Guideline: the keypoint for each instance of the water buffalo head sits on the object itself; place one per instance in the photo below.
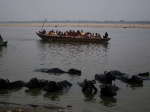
(74, 71)
(135, 79)
(144, 74)
(107, 90)
(52, 86)
(110, 75)
(89, 85)
(33, 83)
(3, 83)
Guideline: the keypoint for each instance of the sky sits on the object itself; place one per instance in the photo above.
(92, 10)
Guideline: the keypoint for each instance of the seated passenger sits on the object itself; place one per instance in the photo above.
(86, 35)
(98, 35)
(70, 33)
(89, 35)
(65, 33)
(59, 33)
(73, 33)
(44, 31)
(82, 33)
(106, 35)
(1, 39)
(56, 32)
(78, 33)
(49, 33)
(92, 35)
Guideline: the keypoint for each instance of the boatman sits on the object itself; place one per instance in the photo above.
(1, 39)
(106, 35)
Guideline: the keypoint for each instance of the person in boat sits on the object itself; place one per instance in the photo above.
(53, 32)
(59, 33)
(73, 33)
(62, 34)
(92, 35)
(43, 32)
(49, 33)
(86, 35)
(56, 32)
(106, 35)
(98, 35)
(89, 35)
(1, 39)
(78, 33)
(82, 33)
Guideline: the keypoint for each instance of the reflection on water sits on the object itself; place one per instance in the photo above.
(1, 50)
(134, 86)
(108, 101)
(34, 91)
(53, 96)
(69, 53)
(79, 46)
(5, 93)
(89, 97)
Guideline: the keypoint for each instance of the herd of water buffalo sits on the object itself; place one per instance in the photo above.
(106, 89)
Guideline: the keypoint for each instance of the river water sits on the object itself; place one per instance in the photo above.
(127, 51)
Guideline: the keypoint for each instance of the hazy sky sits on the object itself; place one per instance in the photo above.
(98, 10)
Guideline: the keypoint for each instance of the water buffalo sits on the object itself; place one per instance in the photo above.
(125, 78)
(134, 86)
(5, 84)
(108, 90)
(57, 70)
(88, 86)
(144, 74)
(36, 83)
(106, 78)
(56, 86)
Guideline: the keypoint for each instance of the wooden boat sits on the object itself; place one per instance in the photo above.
(3, 43)
(72, 39)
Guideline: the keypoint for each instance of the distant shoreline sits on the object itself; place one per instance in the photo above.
(95, 25)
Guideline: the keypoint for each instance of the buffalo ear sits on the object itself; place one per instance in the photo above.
(94, 82)
(85, 80)
(101, 86)
(105, 72)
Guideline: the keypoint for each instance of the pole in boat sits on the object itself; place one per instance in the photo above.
(43, 25)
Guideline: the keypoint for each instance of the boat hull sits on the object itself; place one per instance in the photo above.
(3, 43)
(72, 39)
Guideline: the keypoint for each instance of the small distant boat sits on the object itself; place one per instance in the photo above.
(71, 39)
(3, 43)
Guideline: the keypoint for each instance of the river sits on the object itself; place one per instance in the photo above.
(127, 51)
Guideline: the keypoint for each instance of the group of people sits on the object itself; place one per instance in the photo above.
(77, 34)
(1, 39)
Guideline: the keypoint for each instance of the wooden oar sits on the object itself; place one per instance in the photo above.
(11, 46)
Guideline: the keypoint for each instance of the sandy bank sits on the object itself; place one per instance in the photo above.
(11, 107)
(100, 25)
